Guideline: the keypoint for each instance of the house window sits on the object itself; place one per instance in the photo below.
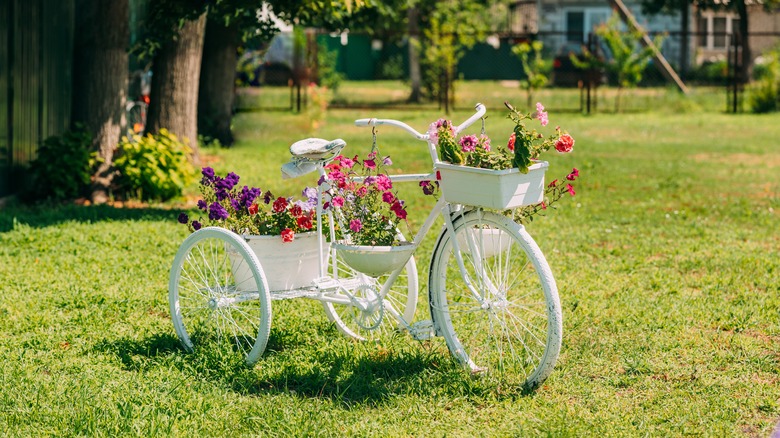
(715, 30)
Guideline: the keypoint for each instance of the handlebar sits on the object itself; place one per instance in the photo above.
(480, 111)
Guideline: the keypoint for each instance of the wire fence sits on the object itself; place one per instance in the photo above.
(709, 67)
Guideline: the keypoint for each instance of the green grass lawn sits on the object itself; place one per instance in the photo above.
(666, 262)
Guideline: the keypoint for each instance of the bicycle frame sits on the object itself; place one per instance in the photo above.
(442, 207)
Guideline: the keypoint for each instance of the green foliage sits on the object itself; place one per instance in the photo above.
(62, 169)
(629, 58)
(536, 68)
(327, 74)
(452, 27)
(711, 72)
(764, 93)
(154, 167)
(392, 68)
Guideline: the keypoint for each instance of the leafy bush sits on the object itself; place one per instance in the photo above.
(711, 73)
(392, 68)
(764, 93)
(154, 167)
(62, 169)
(327, 73)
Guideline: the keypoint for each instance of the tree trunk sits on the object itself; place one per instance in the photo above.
(414, 55)
(217, 81)
(100, 71)
(174, 99)
(746, 58)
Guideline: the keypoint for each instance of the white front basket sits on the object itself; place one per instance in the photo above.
(494, 189)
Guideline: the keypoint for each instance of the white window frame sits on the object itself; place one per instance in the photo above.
(709, 17)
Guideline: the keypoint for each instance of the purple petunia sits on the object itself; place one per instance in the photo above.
(196, 225)
(183, 218)
(202, 205)
(217, 212)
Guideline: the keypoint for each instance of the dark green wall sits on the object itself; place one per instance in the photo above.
(359, 61)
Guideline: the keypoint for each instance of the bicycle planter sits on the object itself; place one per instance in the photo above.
(494, 189)
(492, 296)
(293, 264)
(375, 260)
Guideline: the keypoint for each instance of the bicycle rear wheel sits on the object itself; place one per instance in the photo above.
(502, 317)
(218, 294)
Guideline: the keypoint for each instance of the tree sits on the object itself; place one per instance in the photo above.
(100, 80)
(176, 45)
(536, 68)
(230, 23)
(628, 58)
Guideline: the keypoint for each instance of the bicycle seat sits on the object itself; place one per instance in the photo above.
(316, 148)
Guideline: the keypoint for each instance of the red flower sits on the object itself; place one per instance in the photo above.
(564, 144)
(296, 210)
(511, 144)
(388, 197)
(304, 222)
(253, 209)
(573, 175)
(553, 183)
(570, 188)
(398, 209)
(280, 204)
(544, 206)
(287, 235)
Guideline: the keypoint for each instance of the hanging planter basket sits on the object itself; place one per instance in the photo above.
(375, 260)
(493, 189)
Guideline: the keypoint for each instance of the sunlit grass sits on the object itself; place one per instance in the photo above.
(666, 261)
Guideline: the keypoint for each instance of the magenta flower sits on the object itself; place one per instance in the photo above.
(573, 175)
(362, 191)
(338, 201)
(570, 188)
(387, 197)
(383, 182)
(370, 164)
(468, 143)
(355, 225)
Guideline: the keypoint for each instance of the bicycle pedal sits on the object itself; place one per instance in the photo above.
(422, 330)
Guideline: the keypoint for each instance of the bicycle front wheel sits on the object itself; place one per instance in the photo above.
(218, 294)
(501, 315)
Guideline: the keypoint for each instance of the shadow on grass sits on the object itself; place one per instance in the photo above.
(41, 216)
(345, 373)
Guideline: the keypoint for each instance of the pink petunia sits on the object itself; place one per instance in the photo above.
(570, 188)
(573, 175)
(355, 225)
(541, 114)
(383, 182)
(388, 197)
(361, 191)
(369, 164)
(484, 141)
(468, 143)
(338, 201)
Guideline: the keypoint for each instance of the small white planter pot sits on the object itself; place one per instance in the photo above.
(375, 260)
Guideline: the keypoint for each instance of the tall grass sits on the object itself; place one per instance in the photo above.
(666, 261)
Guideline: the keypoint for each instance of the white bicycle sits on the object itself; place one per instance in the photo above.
(492, 296)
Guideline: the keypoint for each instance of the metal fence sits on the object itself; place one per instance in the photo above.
(707, 65)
